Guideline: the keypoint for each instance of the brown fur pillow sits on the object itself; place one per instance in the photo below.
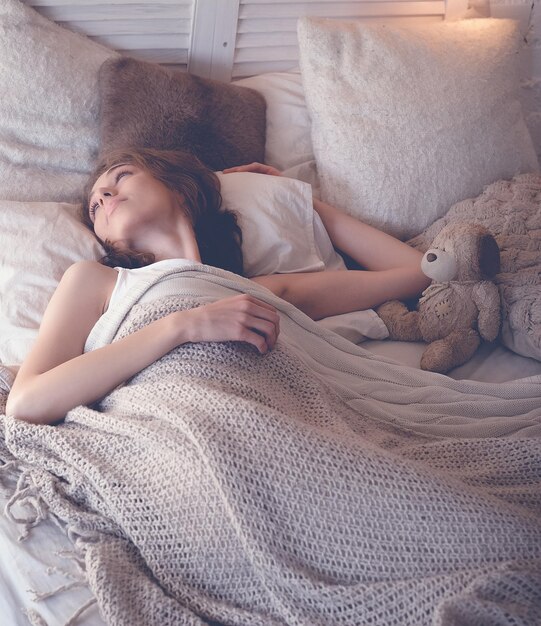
(146, 105)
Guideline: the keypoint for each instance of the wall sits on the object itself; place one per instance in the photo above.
(529, 14)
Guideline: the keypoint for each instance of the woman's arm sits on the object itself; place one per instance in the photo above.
(371, 248)
(394, 267)
(57, 375)
(321, 294)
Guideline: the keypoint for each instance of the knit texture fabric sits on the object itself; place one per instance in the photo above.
(314, 485)
(403, 118)
(49, 106)
(511, 210)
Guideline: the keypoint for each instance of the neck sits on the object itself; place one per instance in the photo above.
(179, 243)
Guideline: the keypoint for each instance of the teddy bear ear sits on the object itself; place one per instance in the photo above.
(489, 256)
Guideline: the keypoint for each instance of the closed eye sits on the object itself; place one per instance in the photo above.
(92, 211)
(121, 173)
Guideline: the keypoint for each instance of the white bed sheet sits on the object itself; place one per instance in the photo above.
(28, 566)
(491, 363)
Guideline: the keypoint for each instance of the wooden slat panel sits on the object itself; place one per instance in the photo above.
(263, 40)
(212, 46)
(157, 30)
(343, 9)
(305, 2)
(68, 3)
(265, 25)
(130, 27)
(284, 53)
(166, 57)
(260, 28)
(74, 13)
(267, 29)
(144, 42)
(283, 46)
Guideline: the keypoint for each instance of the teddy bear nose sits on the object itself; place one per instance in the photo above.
(431, 257)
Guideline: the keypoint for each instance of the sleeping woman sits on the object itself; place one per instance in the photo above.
(148, 206)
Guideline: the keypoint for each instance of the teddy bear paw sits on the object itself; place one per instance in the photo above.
(401, 323)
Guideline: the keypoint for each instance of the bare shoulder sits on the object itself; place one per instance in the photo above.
(90, 270)
(82, 295)
(89, 279)
(76, 305)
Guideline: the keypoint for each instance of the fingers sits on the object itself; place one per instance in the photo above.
(256, 168)
(260, 322)
(268, 329)
(255, 339)
(250, 303)
(238, 318)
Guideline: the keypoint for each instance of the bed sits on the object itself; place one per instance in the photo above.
(332, 482)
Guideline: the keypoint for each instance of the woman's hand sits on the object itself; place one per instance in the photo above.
(256, 168)
(239, 318)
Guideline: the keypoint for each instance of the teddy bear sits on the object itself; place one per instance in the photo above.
(460, 307)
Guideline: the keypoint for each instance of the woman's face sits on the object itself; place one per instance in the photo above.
(127, 204)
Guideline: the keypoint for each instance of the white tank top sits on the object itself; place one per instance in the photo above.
(127, 278)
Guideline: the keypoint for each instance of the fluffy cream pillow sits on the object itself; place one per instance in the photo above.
(48, 107)
(281, 232)
(406, 122)
(38, 242)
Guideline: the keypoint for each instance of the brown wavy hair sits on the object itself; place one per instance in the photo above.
(218, 234)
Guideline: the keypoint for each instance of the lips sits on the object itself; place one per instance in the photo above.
(111, 204)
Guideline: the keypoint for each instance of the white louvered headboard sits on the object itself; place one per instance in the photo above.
(223, 39)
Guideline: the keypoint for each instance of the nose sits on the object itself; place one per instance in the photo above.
(105, 192)
(431, 257)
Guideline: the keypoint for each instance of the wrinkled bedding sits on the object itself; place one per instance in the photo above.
(317, 484)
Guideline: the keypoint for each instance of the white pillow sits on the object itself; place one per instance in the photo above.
(48, 107)
(406, 122)
(288, 141)
(38, 242)
(282, 233)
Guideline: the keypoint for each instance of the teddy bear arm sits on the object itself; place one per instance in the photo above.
(401, 323)
(487, 300)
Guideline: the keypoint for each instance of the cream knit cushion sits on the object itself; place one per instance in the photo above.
(48, 106)
(38, 242)
(406, 122)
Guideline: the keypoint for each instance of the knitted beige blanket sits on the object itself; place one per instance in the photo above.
(315, 485)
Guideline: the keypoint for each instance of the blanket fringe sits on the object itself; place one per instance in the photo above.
(9, 465)
(27, 496)
(37, 596)
(73, 619)
(34, 617)
(78, 580)
(76, 559)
